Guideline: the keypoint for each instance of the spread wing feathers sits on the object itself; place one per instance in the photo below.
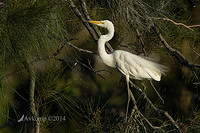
(137, 67)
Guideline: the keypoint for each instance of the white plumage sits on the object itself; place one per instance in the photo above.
(130, 65)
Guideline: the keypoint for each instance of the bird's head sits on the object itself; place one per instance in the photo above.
(103, 23)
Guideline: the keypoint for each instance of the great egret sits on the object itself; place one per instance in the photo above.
(130, 65)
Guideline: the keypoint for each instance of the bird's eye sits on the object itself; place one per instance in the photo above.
(102, 22)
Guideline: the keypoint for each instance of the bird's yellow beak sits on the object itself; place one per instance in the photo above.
(96, 22)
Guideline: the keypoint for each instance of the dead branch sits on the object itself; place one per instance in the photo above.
(84, 65)
(95, 28)
(86, 14)
(90, 68)
(104, 71)
(136, 111)
(141, 41)
(180, 24)
(145, 54)
(138, 117)
(36, 127)
(152, 85)
(93, 31)
(80, 50)
(196, 76)
(153, 106)
(195, 52)
(52, 56)
(85, 23)
(173, 51)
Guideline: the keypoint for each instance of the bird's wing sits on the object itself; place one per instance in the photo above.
(136, 66)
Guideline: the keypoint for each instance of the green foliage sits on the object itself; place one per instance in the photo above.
(55, 96)
(31, 30)
(28, 30)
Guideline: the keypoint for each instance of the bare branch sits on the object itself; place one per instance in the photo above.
(153, 106)
(95, 28)
(84, 8)
(156, 91)
(93, 31)
(180, 24)
(139, 117)
(145, 54)
(36, 127)
(141, 41)
(195, 52)
(91, 69)
(61, 46)
(104, 71)
(79, 49)
(85, 23)
(175, 52)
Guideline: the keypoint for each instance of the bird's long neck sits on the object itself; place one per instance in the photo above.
(107, 59)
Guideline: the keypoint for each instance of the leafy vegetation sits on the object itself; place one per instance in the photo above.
(41, 35)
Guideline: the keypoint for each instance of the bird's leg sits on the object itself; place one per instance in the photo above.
(127, 83)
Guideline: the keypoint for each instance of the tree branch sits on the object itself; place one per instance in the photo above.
(85, 23)
(91, 69)
(180, 24)
(79, 49)
(153, 106)
(145, 54)
(141, 41)
(62, 45)
(138, 117)
(32, 107)
(93, 31)
(175, 52)
(195, 52)
(152, 85)
(95, 28)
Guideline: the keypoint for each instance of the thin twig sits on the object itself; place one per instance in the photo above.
(195, 52)
(156, 91)
(121, 45)
(95, 28)
(137, 112)
(104, 71)
(141, 41)
(90, 68)
(175, 52)
(145, 54)
(180, 24)
(153, 106)
(61, 46)
(85, 23)
(196, 76)
(79, 49)
(84, 65)
(92, 31)
(149, 123)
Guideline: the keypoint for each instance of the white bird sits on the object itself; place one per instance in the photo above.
(130, 65)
